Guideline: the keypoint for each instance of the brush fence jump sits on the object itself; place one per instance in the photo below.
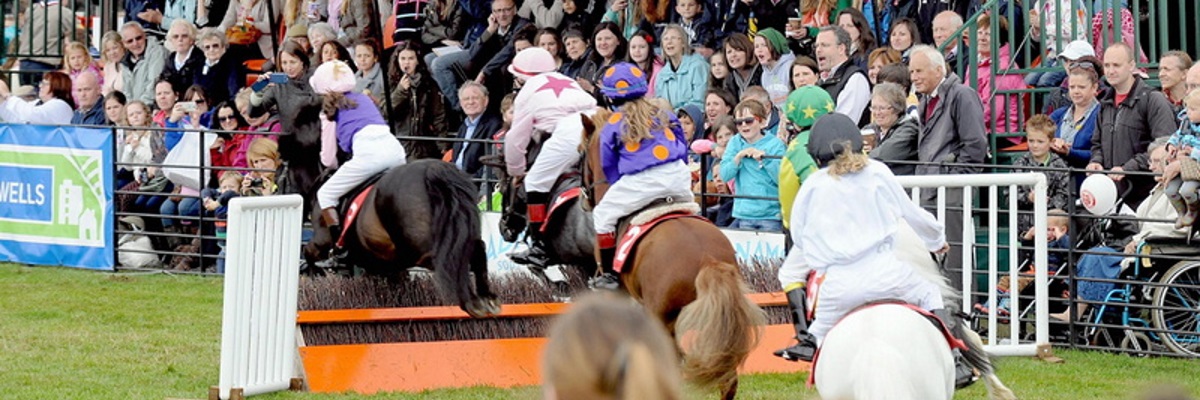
(258, 327)
(991, 185)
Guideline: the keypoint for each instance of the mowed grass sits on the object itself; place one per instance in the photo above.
(70, 334)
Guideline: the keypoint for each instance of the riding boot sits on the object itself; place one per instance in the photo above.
(336, 253)
(964, 375)
(538, 254)
(806, 344)
(607, 247)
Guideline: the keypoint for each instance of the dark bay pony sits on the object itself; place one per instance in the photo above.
(420, 214)
(685, 271)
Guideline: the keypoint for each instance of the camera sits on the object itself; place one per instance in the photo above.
(256, 182)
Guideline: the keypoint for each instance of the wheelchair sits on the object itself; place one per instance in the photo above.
(1158, 307)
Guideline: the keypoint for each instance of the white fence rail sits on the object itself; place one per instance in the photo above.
(261, 284)
(991, 185)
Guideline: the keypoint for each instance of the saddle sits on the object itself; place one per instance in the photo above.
(632, 228)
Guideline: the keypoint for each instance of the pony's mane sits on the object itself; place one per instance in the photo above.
(590, 133)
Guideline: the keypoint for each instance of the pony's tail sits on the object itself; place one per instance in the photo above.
(455, 228)
(720, 328)
(877, 362)
(975, 357)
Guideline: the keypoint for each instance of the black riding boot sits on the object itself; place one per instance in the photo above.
(336, 254)
(608, 280)
(538, 254)
(964, 375)
(806, 344)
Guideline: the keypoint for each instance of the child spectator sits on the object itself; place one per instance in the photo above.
(77, 59)
(751, 161)
(771, 125)
(263, 156)
(689, 16)
(216, 205)
(718, 70)
(641, 53)
(1039, 132)
(1183, 173)
(1058, 225)
(369, 78)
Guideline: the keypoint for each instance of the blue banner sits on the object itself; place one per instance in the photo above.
(56, 192)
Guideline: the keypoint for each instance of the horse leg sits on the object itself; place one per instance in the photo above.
(483, 290)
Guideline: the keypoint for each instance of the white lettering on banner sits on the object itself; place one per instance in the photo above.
(22, 193)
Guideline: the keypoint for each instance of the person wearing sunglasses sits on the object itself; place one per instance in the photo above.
(144, 62)
(751, 161)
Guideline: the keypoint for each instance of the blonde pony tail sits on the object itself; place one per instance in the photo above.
(848, 162)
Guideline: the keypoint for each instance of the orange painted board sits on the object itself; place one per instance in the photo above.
(367, 315)
(412, 367)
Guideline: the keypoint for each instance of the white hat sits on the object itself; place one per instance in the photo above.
(1077, 49)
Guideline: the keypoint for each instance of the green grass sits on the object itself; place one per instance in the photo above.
(70, 334)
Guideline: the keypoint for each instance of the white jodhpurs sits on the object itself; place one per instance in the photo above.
(634, 192)
(375, 150)
(794, 270)
(559, 153)
(879, 276)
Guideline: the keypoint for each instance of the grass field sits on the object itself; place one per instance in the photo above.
(69, 334)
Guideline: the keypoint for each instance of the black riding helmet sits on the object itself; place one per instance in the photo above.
(829, 136)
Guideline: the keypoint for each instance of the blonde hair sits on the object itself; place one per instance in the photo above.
(1057, 217)
(77, 46)
(233, 177)
(263, 148)
(642, 116)
(109, 37)
(1040, 124)
(848, 162)
(607, 347)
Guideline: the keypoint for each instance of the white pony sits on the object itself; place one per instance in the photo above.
(892, 352)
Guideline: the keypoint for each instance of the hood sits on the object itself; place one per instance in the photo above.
(693, 111)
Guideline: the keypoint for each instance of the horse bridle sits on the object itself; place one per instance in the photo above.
(589, 182)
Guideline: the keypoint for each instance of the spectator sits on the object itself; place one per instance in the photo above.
(898, 74)
(698, 26)
(112, 52)
(717, 103)
(1119, 143)
(44, 29)
(952, 132)
(845, 81)
(165, 97)
(1075, 52)
(945, 24)
(1157, 206)
(445, 25)
(1180, 172)
(878, 59)
(333, 50)
(299, 111)
(143, 64)
(265, 179)
(720, 209)
(187, 60)
(484, 58)
(1193, 79)
(578, 53)
(369, 78)
(356, 20)
(862, 40)
(1001, 111)
(1172, 71)
(804, 72)
(478, 124)
(1063, 21)
(773, 54)
(606, 347)
(771, 125)
(897, 132)
(609, 47)
(144, 149)
(1077, 122)
(751, 163)
(199, 115)
(54, 107)
(114, 109)
(580, 18)
(743, 67)
(1039, 132)
(219, 73)
(549, 40)
(267, 122)
(89, 109)
(682, 80)
(729, 17)
(641, 54)
(631, 16)
(417, 106)
(256, 13)
(216, 206)
(318, 34)
(77, 59)
(544, 14)
(718, 70)
(229, 149)
(904, 36)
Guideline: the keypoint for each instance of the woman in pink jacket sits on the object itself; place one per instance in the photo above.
(1001, 112)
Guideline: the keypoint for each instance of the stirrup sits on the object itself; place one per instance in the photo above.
(803, 350)
(963, 375)
(335, 261)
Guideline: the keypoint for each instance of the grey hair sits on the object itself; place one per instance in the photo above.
(1157, 143)
(893, 95)
(323, 29)
(472, 84)
(843, 37)
(955, 19)
(132, 24)
(687, 47)
(212, 33)
(935, 57)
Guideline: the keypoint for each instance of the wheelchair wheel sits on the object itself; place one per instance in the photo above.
(1136, 344)
(1181, 295)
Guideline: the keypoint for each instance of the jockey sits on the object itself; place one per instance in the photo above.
(353, 123)
(804, 106)
(643, 155)
(548, 102)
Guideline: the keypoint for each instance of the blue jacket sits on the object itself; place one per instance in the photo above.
(754, 178)
(1081, 148)
(686, 85)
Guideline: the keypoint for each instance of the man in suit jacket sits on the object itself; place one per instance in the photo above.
(478, 124)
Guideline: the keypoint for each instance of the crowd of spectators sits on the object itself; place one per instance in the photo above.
(439, 69)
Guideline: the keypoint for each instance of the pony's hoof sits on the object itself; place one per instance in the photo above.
(482, 308)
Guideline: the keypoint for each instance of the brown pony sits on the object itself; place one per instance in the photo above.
(685, 272)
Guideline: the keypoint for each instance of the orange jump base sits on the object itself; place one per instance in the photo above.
(412, 367)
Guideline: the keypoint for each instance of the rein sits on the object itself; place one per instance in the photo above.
(589, 180)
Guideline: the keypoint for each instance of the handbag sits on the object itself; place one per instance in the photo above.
(1189, 169)
(183, 162)
(154, 185)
